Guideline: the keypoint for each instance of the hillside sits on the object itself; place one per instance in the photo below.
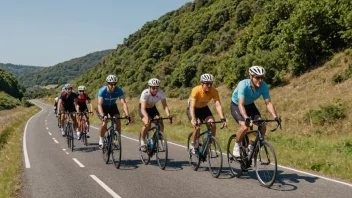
(225, 38)
(19, 70)
(11, 92)
(63, 72)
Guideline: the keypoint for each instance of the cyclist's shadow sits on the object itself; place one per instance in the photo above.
(127, 164)
(285, 182)
(173, 165)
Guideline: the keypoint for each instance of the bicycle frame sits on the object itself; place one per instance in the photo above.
(202, 152)
(151, 145)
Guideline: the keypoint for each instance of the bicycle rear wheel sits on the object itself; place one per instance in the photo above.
(162, 152)
(214, 157)
(265, 163)
(234, 164)
(116, 150)
(194, 159)
(72, 138)
(106, 148)
(144, 155)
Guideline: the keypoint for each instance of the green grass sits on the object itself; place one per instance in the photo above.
(11, 152)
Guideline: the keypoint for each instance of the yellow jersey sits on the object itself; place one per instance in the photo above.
(202, 99)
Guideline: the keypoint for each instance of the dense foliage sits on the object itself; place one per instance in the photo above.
(225, 38)
(63, 72)
(19, 70)
(10, 85)
(7, 101)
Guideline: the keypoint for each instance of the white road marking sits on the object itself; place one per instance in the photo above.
(111, 192)
(25, 153)
(64, 149)
(49, 133)
(79, 163)
(66, 153)
(55, 141)
(47, 128)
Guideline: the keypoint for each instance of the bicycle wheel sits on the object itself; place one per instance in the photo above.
(162, 152)
(234, 164)
(144, 155)
(106, 148)
(85, 140)
(194, 159)
(72, 138)
(116, 150)
(265, 163)
(67, 132)
(214, 157)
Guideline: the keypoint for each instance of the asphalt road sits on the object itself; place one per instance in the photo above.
(52, 170)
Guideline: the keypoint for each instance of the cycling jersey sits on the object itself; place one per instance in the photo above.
(56, 101)
(150, 99)
(68, 101)
(244, 90)
(109, 99)
(202, 99)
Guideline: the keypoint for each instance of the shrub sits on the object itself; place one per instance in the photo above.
(327, 114)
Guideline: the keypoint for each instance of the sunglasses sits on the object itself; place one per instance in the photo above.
(112, 84)
(81, 91)
(259, 77)
(208, 84)
(154, 88)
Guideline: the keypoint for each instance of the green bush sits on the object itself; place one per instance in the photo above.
(7, 101)
(327, 114)
(340, 77)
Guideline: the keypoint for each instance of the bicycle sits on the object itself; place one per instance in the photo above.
(208, 148)
(112, 142)
(68, 128)
(156, 144)
(58, 120)
(261, 154)
(84, 128)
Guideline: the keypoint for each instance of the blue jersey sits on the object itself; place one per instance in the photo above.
(110, 98)
(244, 90)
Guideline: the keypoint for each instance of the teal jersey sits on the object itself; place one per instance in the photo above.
(244, 90)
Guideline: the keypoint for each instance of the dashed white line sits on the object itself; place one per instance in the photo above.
(55, 141)
(49, 133)
(47, 128)
(79, 163)
(111, 192)
(67, 153)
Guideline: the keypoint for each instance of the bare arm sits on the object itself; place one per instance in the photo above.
(270, 108)
(90, 105)
(76, 104)
(100, 106)
(125, 107)
(219, 108)
(165, 107)
(59, 105)
(143, 106)
(241, 108)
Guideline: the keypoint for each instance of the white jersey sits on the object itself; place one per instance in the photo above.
(152, 100)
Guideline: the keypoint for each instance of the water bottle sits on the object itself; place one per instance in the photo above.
(250, 149)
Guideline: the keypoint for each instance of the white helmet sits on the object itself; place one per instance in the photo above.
(67, 86)
(81, 88)
(63, 89)
(111, 78)
(154, 82)
(256, 71)
(206, 78)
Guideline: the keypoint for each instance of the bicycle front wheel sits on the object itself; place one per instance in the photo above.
(214, 157)
(162, 152)
(265, 163)
(144, 155)
(116, 150)
(194, 159)
(235, 165)
(106, 148)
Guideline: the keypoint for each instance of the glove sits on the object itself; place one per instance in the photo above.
(170, 119)
(104, 117)
(128, 118)
(278, 120)
(54, 107)
(247, 121)
(223, 119)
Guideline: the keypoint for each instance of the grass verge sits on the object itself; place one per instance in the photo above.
(11, 151)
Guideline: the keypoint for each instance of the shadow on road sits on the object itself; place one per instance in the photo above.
(129, 164)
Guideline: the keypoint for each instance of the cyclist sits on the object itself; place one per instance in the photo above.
(198, 109)
(107, 97)
(82, 106)
(68, 102)
(55, 104)
(243, 108)
(147, 108)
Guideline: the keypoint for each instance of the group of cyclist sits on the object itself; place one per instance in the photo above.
(243, 108)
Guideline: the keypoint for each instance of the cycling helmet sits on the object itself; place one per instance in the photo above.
(81, 88)
(154, 82)
(256, 71)
(63, 89)
(206, 78)
(111, 78)
(67, 86)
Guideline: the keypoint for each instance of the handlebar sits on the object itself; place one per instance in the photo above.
(114, 118)
(158, 119)
(261, 122)
(215, 122)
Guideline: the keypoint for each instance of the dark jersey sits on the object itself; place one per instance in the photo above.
(68, 100)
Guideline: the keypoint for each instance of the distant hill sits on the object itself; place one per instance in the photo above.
(63, 72)
(19, 70)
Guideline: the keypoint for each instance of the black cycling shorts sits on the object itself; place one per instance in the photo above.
(111, 110)
(152, 112)
(200, 113)
(68, 108)
(251, 111)
(83, 108)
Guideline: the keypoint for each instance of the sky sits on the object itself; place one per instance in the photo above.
(47, 32)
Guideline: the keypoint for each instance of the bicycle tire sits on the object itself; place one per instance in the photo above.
(67, 132)
(214, 154)
(194, 160)
(145, 157)
(72, 138)
(235, 165)
(85, 139)
(116, 153)
(106, 148)
(162, 149)
(262, 157)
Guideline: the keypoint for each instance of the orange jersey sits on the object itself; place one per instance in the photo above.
(202, 99)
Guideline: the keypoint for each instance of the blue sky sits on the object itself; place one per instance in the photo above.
(44, 32)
